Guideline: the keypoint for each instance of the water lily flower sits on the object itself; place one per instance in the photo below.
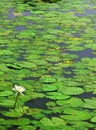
(19, 89)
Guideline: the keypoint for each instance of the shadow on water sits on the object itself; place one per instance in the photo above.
(19, 28)
(86, 95)
(86, 13)
(11, 12)
(37, 103)
(83, 53)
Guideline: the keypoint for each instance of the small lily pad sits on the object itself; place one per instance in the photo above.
(56, 95)
(49, 87)
(48, 79)
(93, 119)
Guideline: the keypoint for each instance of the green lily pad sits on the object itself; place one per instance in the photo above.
(58, 121)
(89, 61)
(71, 90)
(49, 87)
(12, 113)
(5, 41)
(53, 58)
(27, 127)
(76, 115)
(72, 102)
(28, 65)
(89, 103)
(82, 125)
(3, 122)
(46, 122)
(93, 119)
(5, 52)
(26, 34)
(19, 122)
(7, 103)
(1, 73)
(13, 66)
(56, 95)
(6, 93)
(17, 112)
(48, 79)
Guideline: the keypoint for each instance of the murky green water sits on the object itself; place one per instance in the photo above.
(49, 49)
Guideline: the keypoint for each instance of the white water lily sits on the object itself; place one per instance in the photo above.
(19, 89)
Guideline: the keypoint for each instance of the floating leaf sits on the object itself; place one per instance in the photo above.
(89, 103)
(29, 65)
(13, 113)
(5, 52)
(48, 79)
(58, 121)
(6, 93)
(46, 122)
(56, 95)
(19, 122)
(93, 119)
(73, 114)
(27, 127)
(49, 87)
(71, 90)
(72, 102)
(13, 66)
(26, 34)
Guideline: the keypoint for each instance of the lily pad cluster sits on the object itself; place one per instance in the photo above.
(50, 50)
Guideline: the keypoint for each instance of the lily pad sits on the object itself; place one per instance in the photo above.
(76, 115)
(72, 102)
(89, 103)
(19, 122)
(26, 34)
(57, 95)
(27, 127)
(48, 79)
(71, 90)
(5, 52)
(6, 93)
(17, 112)
(93, 119)
(49, 87)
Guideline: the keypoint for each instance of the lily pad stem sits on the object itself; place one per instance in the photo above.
(16, 100)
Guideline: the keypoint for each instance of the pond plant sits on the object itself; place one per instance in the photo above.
(19, 90)
(49, 49)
